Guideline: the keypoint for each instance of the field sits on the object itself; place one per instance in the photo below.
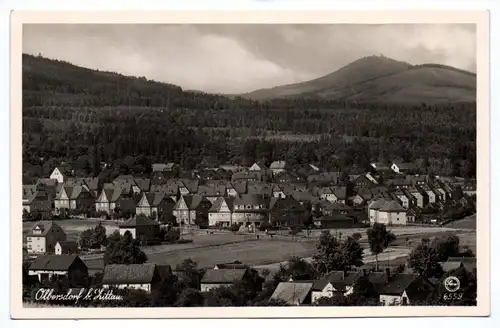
(208, 249)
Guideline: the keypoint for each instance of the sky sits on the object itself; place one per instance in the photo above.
(229, 59)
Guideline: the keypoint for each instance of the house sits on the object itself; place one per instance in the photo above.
(233, 265)
(454, 263)
(212, 192)
(154, 205)
(293, 292)
(325, 177)
(333, 221)
(334, 283)
(380, 167)
(234, 189)
(140, 227)
(260, 189)
(391, 213)
(420, 195)
(326, 208)
(304, 197)
(74, 198)
(258, 166)
(62, 173)
(146, 276)
(432, 195)
(66, 247)
(413, 214)
(247, 176)
(170, 190)
(404, 168)
(469, 188)
(404, 289)
(373, 208)
(162, 167)
(278, 167)
(285, 212)
(37, 202)
(43, 237)
(221, 212)
(287, 177)
(214, 278)
(189, 207)
(361, 196)
(250, 209)
(362, 181)
(333, 194)
(407, 200)
(278, 191)
(69, 265)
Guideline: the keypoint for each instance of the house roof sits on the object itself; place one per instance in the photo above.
(303, 196)
(230, 266)
(292, 292)
(138, 221)
(364, 193)
(239, 186)
(324, 177)
(129, 273)
(338, 279)
(334, 217)
(46, 182)
(45, 226)
(193, 201)
(396, 284)
(221, 276)
(247, 199)
(143, 184)
(37, 194)
(169, 189)
(392, 206)
(216, 206)
(284, 204)
(250, 175)
(211, 190)
(257, 188)
(278, 165)
(406, 166)
(154, 198)
(54, 262)
(68, 245)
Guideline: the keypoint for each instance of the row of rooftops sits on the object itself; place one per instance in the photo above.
(292, 291)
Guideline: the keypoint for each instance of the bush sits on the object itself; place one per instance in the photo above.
(235, 227)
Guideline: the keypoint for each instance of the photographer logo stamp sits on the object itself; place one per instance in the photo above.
(452, 284)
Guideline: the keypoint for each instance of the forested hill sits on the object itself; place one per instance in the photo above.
(381, 79)
(86, 116)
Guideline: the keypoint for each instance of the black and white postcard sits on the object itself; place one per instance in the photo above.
(315, 164)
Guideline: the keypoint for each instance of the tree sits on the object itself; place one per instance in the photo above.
(93, 238)
(446, 247)
(190, 297)
(365, 288)
(166, 292)
(191, 275)
(126, 250)
(424, 260)
(331, 255)
(379, 239)
(295, 268)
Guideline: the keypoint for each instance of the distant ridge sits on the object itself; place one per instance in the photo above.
(382, 79)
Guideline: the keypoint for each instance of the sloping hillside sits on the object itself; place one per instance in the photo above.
(380, 79)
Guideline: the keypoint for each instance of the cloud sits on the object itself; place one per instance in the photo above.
(241, 58)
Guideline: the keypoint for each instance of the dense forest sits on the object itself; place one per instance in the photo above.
(77, 114)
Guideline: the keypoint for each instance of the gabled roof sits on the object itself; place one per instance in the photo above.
(211, 190)
(338, 279)
(46, 182)
(169, 189)
(396, 284)
(154, 198)
(112, 195)
(324, 177)
(129, 274)
(36, 195)
(239, 186)
(364, 193)
(230, 266)
(221, 276)
(293, 293)
(45, 227)
(143, 184)
(392, 206)
(303, 196)
(138, 221)
(216, 206)
(340, 192)
(247, 175)
(258, 188)
(193, 201)
(284, 204)
(68, 245)
(54, 262)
